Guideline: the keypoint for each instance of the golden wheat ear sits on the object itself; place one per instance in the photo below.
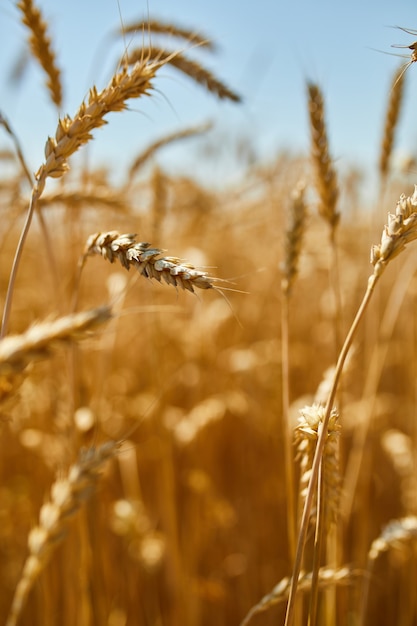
(148, 261)
(40, 44)
(391, 122)
(325, 175)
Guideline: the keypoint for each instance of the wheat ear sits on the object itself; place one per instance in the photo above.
(294, 237)
(391, 122)
(191, 68)
(148, 261)
(306, 436)
(41, 48)
(66, 497)
(326, 182)
(72, 133)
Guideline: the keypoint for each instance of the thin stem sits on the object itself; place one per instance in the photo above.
(320, 447)
(318, 542)
(288, 433)
(18, 254)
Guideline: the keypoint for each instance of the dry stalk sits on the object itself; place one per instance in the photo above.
(289, 268)
(165, 28)
(148, 261)
(17, 351)
(391, 122)
(325, 179)
(191, 68)
(400, 230)
(41, 48)
(327, 577)
(67, 495)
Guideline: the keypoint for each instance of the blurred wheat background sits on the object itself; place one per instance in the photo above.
(158, 425)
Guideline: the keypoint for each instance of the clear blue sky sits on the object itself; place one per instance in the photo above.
(267, 51)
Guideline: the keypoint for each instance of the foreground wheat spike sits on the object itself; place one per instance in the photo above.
(191, 68)
(66, 497)
(327, 578)
(400, 230)
(40, 44)
(17, 351)
(325, 179)
(148, 261)
(391, 121)
(72, 133)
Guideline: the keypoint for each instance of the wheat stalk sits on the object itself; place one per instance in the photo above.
(41, 48)
(191, 68)
(66, 497)
(148, 261)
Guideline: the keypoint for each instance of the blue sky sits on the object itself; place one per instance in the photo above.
(267, 51)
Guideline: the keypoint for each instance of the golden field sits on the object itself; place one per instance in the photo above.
(154, 460)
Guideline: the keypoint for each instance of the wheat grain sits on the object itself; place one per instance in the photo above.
(66, 497)
(148, 261)
(41, 48)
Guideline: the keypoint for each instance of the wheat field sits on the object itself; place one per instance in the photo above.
(208, 405)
